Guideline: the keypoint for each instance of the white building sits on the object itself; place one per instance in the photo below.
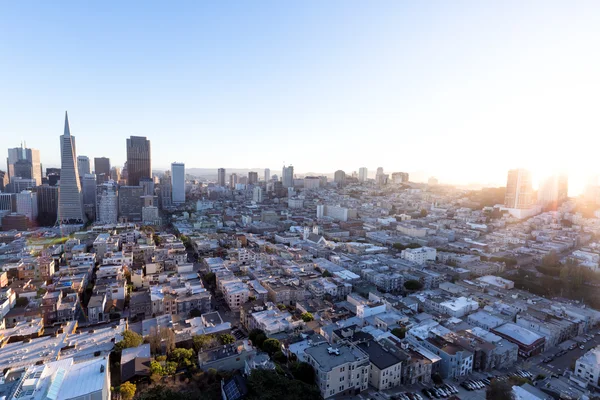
(27, 204)
(336, 212)
(312, 182)
(363, 173)
(178, 182)
(459, 307)
(295, 203)
(587, 368)
(287, 176)
(420, 255)
(235, 292)
(267, 174)
(342, 370)
(150, 215)
(257, 194)
(65, 380)
(107, 203)
(386, 365)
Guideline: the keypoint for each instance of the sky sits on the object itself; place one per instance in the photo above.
(461, 90)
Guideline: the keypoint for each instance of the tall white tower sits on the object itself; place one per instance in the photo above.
(70, 204)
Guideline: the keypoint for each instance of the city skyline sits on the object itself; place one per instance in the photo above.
(474, 86)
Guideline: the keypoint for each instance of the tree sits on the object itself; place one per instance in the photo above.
(413, 285)
(304, 372)
(183, 357)
(226, 338)
(550, 260)
(127, 390)
(499, 390)
(203, 342)
(258, 337)
(161, 339)
(271, 346)
(269, 385)
(399, 246)
(194, 313)
(210, 279)
(326, 274)
(22, 302)
(161, 392)
(413, 246)
(130, 339)
(437, 379)
(399, 332)
(281, 306)
(279, 357)
(423, 213)
(307, 317)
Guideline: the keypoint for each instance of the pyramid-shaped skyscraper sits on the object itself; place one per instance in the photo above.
(70, 204)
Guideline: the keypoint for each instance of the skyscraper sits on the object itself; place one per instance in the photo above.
(27, 204)
(27, 161)
(287, 176)
(47, 199)
(70, 205)
(267, 174)
(130, 203)
(519, 189)
(252, 178)
(233, 180)
(102, 169)
(139, 161)
(88, 190)
(221, 177)
(553, 191)
(363, 173)
(339, 177)
(178, 182)
(83, 166)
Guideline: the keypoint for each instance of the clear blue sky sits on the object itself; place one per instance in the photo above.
(461, 90)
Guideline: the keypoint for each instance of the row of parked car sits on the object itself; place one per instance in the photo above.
(407, 396)
(441, 391)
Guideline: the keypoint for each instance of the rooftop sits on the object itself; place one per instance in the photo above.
(327, 360)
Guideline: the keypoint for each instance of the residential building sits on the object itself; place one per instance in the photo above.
(530, 343)
(287, 176)
(587, 368)
(339, 370)
(252, 178)
(107, 203)
(519, 190)
(27, 204)
(420, 255)
(267, 174)
(257, 194)
(386, 365)
(130, 203)
(221, 177)
(363, 174)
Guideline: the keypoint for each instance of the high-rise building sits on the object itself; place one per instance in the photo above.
(553, 191)
(7, 202)
(287, 176)
(257, 194)
(47, 199)
(27, 204)
(83, 166)
(221, 177)
(178, 182)
(233, 180)
(107, 203)
(400, 177)
(139, 160)
(115, 174)
(102, 169)
(339, 177)
(252, 178)
(519, 190)
(166, 191)
(88, 189)
(70, 205)
(53, 176)
(130, 203)
(363, 173)
(28, 161)
(267, 174)
(148, 185)
(3, 180)
(18, 184)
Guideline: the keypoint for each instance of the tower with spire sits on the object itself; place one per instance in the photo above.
(70, 204)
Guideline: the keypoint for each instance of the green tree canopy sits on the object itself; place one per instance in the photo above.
(226, 338)
(307, 317)
(269, 385)
(183, 357)
(257, 337)
(130, 339)
(271, 346)
(203, 342)
(304, 372)
(499, 390)
(413, 285)
(399, 332)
